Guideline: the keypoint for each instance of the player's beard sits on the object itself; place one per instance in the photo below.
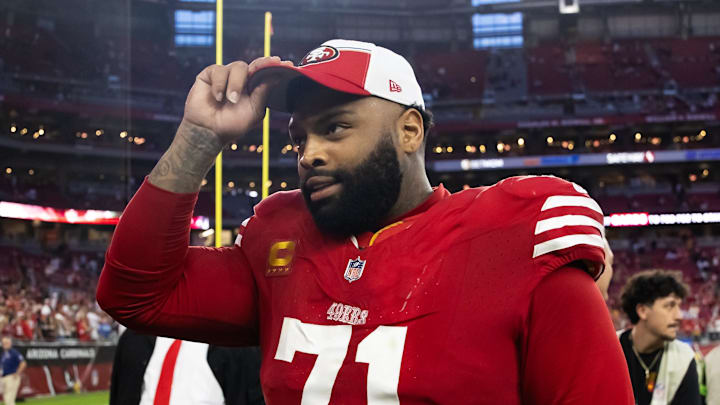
(368, 193)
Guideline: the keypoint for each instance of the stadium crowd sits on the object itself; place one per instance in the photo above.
(29, 314)
(664, 69)
(50, 297)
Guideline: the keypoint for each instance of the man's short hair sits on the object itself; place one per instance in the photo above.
(647, 286)
(428, 121)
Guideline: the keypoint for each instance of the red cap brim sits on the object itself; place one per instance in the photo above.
(278, 98)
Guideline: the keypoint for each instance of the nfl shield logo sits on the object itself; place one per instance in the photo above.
(354, 269)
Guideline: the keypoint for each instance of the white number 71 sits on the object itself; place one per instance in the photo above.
(382, 350)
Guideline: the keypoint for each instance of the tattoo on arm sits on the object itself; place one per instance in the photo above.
(190, 156)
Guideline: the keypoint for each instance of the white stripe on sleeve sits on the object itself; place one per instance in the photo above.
(571, 201)
(238, 240)
(567, 220)
(565, 242)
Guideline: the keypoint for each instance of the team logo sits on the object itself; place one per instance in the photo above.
(354, 269)
(394, 87)
(280, 258)
(347, 314)
(321, 54)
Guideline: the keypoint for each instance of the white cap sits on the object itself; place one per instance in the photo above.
(347, 66)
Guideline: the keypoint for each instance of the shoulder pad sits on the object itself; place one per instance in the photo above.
(281, 201)
(540, 186)
(567, 225)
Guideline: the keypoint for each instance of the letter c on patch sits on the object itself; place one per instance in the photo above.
(281, 253)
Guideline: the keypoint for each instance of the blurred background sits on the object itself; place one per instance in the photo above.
(620, 96)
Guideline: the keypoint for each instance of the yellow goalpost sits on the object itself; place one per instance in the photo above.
(265, 183)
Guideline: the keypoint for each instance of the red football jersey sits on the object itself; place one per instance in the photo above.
(460, 301)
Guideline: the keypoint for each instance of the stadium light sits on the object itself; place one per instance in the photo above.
(569, 6)
(624, 219)
(79, 216)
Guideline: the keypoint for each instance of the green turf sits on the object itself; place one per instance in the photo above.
(94, 398)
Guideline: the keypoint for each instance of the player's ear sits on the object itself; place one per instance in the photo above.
(642, 311)
(410, 130)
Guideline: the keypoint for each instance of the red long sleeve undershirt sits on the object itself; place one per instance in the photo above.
(153, 282)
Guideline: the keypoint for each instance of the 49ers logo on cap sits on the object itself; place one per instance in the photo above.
(318, 55)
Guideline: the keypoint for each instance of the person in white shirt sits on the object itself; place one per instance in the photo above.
(152, 370)
(712, 376)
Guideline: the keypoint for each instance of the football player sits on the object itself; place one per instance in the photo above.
(367, 285)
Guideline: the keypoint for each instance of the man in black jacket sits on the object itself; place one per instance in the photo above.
(662, 368)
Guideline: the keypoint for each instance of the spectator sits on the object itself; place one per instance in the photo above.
(13, 365)
(712, 375)
(46, 326)
(662, 369)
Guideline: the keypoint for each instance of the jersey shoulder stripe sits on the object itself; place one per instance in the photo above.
(575, 220)
(556, 201)
(241, 232)
(562, 221)
(567, 241)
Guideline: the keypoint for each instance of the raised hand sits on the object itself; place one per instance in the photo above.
(220, 101)
(218, 110)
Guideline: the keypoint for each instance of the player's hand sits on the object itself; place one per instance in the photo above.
(220, 101)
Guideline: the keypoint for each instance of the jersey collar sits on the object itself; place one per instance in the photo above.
(402, 222)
